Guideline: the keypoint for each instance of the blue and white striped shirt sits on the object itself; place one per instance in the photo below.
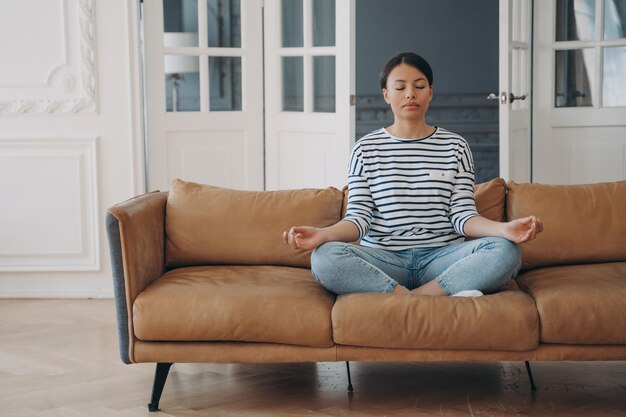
(410, 193)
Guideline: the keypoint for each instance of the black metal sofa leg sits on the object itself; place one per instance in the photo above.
(350, 388)
(160, 376)
(533, 387)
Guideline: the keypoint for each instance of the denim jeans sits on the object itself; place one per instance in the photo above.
(485, 264)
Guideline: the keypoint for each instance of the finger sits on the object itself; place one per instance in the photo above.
(285, 237)
(291, 238)
(529, 236)
(295, 237)
(526, 236)
(531, 228)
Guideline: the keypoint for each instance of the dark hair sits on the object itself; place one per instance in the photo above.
(409, 58)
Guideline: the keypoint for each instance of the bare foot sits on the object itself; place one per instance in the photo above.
(400, 290)
(431, 288)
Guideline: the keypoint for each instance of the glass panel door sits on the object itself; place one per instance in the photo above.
(202, 62)
(590, 53)
(309, 72)
(308, 61)
(579, 111)
(204, 92)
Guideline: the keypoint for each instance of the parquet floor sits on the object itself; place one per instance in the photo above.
(59, 358)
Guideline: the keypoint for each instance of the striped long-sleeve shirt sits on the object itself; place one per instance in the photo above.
(410, 193)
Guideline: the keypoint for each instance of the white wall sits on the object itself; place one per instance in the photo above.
(69, 142)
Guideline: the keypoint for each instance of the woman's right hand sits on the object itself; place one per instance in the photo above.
(303, 237)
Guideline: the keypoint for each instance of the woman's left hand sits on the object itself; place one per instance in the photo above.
(522, 230)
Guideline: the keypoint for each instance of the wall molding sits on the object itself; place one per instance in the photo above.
(87, 100)
(455, 112)
(81, 250)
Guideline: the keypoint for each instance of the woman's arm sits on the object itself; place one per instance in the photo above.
(306, 237)
(518, 231)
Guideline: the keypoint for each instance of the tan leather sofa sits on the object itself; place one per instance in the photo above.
(201, 275)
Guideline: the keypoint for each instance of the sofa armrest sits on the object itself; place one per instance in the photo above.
(136, 232)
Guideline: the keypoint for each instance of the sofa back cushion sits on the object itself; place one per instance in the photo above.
(213, 225)
(490, 197)
(582, 223)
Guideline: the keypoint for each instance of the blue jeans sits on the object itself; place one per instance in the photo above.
(485, 264)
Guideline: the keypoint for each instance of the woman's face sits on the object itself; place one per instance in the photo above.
(408, 92)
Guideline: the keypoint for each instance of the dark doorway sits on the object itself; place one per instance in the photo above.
(460, 41)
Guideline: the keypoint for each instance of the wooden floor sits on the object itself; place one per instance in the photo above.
(60, 358)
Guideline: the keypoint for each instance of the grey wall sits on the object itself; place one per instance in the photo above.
(458, 38)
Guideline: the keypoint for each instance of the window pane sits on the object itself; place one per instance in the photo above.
(293, 83)
(180, 23)
(323, 22)
(182, 83)
(225, 83)
(575, 20)
(292, 23)
(574, 70)
(615, 19)
(324, 84)
(224, 23)
(614, 77)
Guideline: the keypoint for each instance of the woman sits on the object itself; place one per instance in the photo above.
(411, 203)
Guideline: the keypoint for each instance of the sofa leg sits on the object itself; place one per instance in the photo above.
(350, 388)
(533, 387)
(160, 376)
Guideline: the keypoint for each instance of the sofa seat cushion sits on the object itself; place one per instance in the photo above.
(506, 320)
(580, 304)
(235, 303)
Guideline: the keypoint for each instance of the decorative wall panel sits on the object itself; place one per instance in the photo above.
(49, 207)
(49, 57)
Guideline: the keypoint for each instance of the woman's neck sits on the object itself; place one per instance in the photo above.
(410, 130)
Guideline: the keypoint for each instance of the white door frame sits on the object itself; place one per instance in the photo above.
(515, 46)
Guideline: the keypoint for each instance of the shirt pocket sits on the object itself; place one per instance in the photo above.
(439, 183)
(440, 175)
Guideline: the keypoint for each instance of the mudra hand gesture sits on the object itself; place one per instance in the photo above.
(523, 229)
(303, 237)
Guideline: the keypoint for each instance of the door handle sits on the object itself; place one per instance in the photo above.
(513, 97)
(504, 97)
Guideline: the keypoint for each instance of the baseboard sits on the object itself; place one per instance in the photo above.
(105, 294)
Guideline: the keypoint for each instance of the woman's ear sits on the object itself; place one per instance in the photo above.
(385, 95)
(430, 87)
